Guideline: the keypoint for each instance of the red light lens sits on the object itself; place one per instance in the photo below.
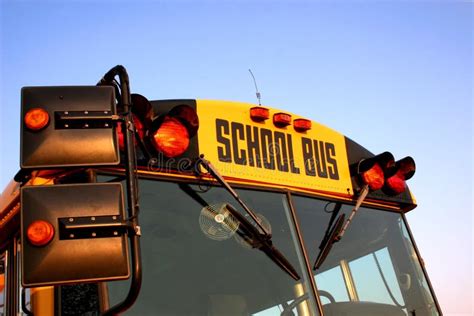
(282, 119)
(374, 177)
(36, 119)
(171, 138)
(259, 114)
(302, 125)
(40, 233)
(138, 127)
(395, 184)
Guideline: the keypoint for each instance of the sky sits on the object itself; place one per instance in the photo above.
(391, 75)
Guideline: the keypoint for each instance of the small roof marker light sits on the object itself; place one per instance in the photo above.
(302, 125)
(259, 113)
(281, 119)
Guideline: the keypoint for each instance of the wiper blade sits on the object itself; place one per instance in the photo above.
(259, 237)
(328, 242)
(337, 231)
(264, 243)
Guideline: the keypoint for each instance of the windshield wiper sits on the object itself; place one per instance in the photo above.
(258, 238)
(329, 239)
(335, 232)
(213, 171)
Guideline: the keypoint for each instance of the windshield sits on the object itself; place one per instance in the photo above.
(372, 270)
(197, 260)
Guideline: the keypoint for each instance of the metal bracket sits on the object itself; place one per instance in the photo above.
(95, 227)
(84, 119)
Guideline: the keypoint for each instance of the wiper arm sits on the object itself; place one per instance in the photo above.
(213, 171)
(264, 243)
(337, 231)
(328, 241)
(261, 240)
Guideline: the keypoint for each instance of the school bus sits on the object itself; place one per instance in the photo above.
(198, 207)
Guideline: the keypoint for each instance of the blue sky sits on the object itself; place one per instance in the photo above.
(392, 75)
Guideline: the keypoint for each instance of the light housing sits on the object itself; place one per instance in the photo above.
(374, 177)
(72, 257)
(139, 128)
(259, 113)
(170, 133)
(281, 119)
(73, 128)
(142, 114)
(302, 125)
(372, 171)
(171, 137)
(403, 170)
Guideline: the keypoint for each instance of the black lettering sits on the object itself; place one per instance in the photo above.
(253, 147)
(222, 128)
(266, 141)
(320, 159)
(240, 157)
(279, 149)
(308, 157)
(330, 157)
(293, 168)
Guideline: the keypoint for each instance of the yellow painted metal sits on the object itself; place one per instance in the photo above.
(42, 300)
(303, 307)
(319, 147)
(349, 280)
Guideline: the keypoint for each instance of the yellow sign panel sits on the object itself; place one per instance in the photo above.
(241, 148)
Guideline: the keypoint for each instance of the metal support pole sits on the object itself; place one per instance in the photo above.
(132, 188)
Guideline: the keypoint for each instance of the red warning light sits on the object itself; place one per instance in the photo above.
(171, 138)
(404, 169)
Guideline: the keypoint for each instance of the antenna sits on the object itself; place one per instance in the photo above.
(256, 89)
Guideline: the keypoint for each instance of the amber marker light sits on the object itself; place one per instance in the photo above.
(302, 125)
(36, 119)
(282, 119)
(40, 233)
(259, 113)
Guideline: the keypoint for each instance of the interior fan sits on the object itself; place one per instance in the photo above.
(217, 222)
